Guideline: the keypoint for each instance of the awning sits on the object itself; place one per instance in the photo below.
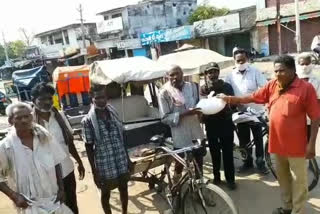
(289, 19)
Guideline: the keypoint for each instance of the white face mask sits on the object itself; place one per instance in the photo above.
(303, 71)
(41, 109)
(242, 67)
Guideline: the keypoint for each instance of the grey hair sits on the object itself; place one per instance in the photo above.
(304, 55)
(174, 68)
(12, 106)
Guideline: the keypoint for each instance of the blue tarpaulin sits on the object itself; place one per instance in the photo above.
(25, 80)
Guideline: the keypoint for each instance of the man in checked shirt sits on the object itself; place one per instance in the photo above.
(103, 136)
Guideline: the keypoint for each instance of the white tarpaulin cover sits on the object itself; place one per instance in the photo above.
(125, 70)
(193, 61)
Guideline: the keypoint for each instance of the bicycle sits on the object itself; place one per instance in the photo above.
(258, 117)
(251, 117)
(190, 193)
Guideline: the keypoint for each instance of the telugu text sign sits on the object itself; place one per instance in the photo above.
(173, 34)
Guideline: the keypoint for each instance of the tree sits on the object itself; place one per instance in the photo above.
(207, 12)
(27, 37)
(16, 48)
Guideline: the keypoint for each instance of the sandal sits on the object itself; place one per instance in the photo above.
(281, 211)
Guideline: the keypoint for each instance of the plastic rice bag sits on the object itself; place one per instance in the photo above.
(211, 105)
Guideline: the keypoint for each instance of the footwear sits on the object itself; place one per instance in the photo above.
(281, 211)
(263, 169)
(232, 185)
(244, 168)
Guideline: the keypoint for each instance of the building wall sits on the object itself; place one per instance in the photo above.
(309, 29)
(272, 3)
(156, 15)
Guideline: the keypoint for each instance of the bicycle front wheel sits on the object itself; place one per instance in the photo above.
(207, 199)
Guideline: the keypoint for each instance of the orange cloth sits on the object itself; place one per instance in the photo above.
(287, 114)
(63, 88)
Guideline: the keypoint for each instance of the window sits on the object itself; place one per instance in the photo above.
(66, 37)
(106, 17)
(116, 15)
(50, 39)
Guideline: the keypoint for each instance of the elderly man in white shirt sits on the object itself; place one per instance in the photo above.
(304, 71)
(30, 171)
(244, 80)
(57, 124)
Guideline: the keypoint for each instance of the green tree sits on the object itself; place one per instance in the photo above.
(16, 48)
(207, 12)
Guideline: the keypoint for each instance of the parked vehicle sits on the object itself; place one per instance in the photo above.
(25, 80)
(4, 102)
(148, 140)
(72, 86)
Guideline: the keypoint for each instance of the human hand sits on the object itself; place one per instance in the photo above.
(60, 196)
(81, 171)
(20, 201)
(311, 151)
(212, 93)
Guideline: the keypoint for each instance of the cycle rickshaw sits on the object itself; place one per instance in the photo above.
(148, 141)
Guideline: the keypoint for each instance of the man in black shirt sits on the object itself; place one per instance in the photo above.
(219, 127)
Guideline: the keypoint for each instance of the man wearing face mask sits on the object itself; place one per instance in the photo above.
(47, 115)
(244, 80)
(177, 102)
(219, 127)
(105, 146)
(289, 100)
(304, 71)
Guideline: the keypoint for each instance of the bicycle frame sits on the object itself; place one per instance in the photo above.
(189, 176)
(265, 132)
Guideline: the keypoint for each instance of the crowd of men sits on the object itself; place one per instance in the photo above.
(37, 173)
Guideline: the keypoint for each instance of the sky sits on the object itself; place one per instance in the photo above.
(40, 15)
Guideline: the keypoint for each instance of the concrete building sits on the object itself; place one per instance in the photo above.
(121, 27)
(267, 28)
(65, 40)
(221, 34)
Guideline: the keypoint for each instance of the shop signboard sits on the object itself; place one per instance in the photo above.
(110, 25)
(172, 34)
(217, 25)
(129, 44)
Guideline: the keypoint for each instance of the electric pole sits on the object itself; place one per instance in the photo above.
(298, 31)
(279, 27)
(82, 32)
(5, 47)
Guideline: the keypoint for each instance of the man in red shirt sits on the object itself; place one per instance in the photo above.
(289, 100)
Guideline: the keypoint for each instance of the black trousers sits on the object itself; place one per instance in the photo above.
(220, 138)
(244, 138)
(70, 189)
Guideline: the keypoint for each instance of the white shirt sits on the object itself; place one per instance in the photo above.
(315, 42)
(315, 82)
(54, 129)
(247, 83)
(32, 172)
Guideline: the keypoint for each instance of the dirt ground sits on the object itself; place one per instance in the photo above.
(255, 193)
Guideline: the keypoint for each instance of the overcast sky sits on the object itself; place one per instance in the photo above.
(41, 15)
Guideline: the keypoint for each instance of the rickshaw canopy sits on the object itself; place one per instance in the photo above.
(124, 70)
(71, 79)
